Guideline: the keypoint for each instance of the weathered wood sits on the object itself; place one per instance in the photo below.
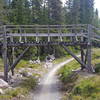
(77, 35)
(89, 59)
(82, 56)
(18, 59)
(74, 56)
(46, 34)
(5, 55)
(44, 43)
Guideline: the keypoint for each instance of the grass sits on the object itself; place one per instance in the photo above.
(85, 89)
(61, 59)
(97, 69)
(25, 87)
(1, 64)
(67, 70)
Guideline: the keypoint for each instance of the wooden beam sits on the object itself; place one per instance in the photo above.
(82, 56)
(46, 34)
(5, 55)
(74, 56)
(18, 59)
(89, 58)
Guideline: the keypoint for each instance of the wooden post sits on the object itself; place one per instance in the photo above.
(82, 57)
(89, 49)
(5, 55)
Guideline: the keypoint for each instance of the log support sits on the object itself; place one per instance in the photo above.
(5, 55)
(17, 60)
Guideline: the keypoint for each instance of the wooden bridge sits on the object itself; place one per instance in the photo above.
(83, 36)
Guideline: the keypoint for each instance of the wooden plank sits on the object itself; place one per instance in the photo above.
(5, 56)
(45, 34)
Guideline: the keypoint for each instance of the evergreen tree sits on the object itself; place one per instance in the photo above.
(20, 12)
(44, 16)
(3, 13)
(96, 18)
(67, 11)
(79, 11)
(36, 11)
(86, 11)
(75, 12)
(55, 11)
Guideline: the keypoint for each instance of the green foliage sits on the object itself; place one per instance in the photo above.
(22, 64)
(79, 11)
(66, 71)
(29, 83)
(83, 88)
(61, 59)
(88, 88)
(3, 12)
(1, 64)
(55, 11)
(25, 86)
(97, 69)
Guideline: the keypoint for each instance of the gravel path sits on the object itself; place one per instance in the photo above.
(49, 85)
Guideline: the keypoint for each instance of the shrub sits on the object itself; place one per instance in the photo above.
(88, 88)
(97, 69)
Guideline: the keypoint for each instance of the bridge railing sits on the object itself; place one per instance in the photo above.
(33, 32)
(46, 28)
(48, 31)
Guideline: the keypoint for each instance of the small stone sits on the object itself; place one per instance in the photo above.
(22, 96)
(3, 84)
(1, 91)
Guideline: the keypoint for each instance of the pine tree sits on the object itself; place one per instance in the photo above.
(75, 12)
(3, 15)
(20, 12)
(55, 11)
(79, 11)
(36, 11)
(96, 18)
(86, 11)
(44, 16)
(26, 12)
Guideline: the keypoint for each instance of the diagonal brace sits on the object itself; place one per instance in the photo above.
(74, 56)
(18, 59)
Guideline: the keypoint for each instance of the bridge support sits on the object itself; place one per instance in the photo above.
(82, 56)
(17, 60)
(74, 56)
(78, 35)
(89, 58)
(5, 55)
(82, 61)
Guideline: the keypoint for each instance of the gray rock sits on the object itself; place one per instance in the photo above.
(1, 91)
(3, 84)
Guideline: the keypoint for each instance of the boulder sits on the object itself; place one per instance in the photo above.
(3, 84)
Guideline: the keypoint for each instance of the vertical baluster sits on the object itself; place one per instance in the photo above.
(48, 33)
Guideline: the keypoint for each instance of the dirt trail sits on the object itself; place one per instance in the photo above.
(49, 85)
